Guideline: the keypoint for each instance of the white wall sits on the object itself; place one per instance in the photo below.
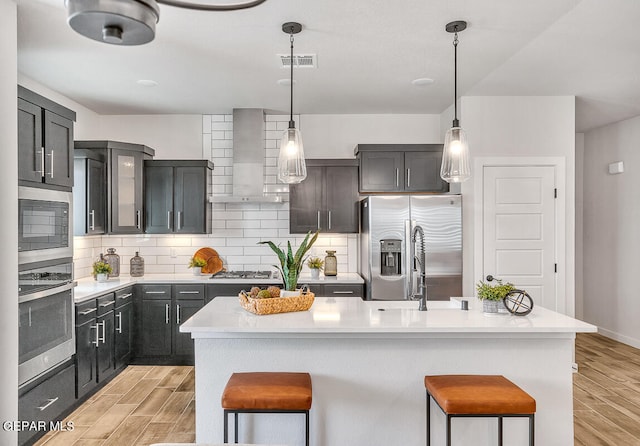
(9, 206)
(519, 126)
(171, 136)
(611, 235)
(579, 226)
(335, 136)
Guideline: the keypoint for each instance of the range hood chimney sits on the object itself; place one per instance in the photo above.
(248, 160)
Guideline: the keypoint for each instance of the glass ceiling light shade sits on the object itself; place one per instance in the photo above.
(292, 168)
(455, 166)
(129, 22)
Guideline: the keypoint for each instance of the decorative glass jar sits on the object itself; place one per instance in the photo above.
(136, 267)
(113, 259)
(330, 264)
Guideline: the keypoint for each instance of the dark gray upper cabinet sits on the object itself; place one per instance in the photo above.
(90, 196)
(327, 200)
(45, 140)
(125, 182)
(177, 196)
(400, 168)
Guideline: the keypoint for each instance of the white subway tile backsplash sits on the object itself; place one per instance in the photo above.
(260, 215)
(221, 143)
(248, 224)
(218, 118)
(218, 134)
(206, 124)
(225, 125)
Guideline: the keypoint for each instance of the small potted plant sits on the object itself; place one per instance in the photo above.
(197, 263)
(492, 296)
(315, 264)
(291, 264)
(101, 270)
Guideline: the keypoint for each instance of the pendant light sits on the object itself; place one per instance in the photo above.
(130, 22)
(455, 155)
(291, 165)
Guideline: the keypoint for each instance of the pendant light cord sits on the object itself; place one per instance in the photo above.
(292, 124)
(456, 123)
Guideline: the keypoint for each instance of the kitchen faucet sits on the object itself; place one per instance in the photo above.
(422, 283)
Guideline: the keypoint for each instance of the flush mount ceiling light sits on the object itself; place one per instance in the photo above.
(455, 155)
(130, 22)
(291, 165)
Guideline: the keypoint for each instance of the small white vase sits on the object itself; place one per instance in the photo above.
(491, 306)
(102, 277)
(286, 293)
(197, 270)
(315, 273)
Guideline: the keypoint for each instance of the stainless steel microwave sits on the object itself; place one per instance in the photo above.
(44, 224)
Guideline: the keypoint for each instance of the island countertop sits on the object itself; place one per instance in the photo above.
(330, 316)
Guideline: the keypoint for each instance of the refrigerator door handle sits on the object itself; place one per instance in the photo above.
(408, 249)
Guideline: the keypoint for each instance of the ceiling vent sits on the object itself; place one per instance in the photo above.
(299, 61)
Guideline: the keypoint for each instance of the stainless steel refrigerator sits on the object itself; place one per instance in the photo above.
(388, 256)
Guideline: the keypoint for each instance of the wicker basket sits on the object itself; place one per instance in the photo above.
(276, 304)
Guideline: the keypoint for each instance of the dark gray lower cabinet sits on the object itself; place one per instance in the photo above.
(123, 335)
(95, 354)
(47, 401)
(163, 308)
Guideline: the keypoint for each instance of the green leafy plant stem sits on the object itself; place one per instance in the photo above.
(290, 263)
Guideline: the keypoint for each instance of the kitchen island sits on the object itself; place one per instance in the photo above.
(368, 360)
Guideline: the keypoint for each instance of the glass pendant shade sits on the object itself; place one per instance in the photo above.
(455, 157)
(291, 165)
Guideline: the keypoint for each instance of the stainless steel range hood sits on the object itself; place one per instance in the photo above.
(248, 161)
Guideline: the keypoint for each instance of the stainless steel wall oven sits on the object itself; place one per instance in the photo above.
(44, 224)
(46, 325)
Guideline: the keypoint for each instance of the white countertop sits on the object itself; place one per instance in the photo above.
(333, 316)
(88, 288)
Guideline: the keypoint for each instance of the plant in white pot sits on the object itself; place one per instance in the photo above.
(101, 270)
(290, 263)
(315, 265)
(492, 296)
(197, 263)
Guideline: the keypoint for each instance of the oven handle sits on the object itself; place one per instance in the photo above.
(47, 293)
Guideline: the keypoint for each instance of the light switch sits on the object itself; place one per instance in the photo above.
(616, 167)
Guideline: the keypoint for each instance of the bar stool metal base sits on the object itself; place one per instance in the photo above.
(500, 417)
(235, 412)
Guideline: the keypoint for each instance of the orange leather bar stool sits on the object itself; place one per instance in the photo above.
(478, 396)
(266, 392)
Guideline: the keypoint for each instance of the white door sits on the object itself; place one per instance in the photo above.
(519, 229)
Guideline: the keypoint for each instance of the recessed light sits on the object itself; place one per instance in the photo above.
(422, 81)
(285, 82)
(147, 82)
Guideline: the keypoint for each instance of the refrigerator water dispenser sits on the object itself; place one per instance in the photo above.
(390, 257)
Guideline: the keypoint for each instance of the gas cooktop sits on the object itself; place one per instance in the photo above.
(242, 275)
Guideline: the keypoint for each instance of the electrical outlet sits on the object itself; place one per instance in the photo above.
(172, 253)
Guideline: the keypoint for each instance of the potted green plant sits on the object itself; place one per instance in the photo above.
(290, 263)
(315, 265)
(492, 296)
(197, 263)
(101, 270)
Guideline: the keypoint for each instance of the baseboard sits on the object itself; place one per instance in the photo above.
(633, 342)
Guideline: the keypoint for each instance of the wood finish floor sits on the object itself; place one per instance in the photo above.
(153, 404)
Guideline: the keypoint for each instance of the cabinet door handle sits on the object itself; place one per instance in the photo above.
(154, 292)
(138, 223)
(119, 327)
(97, 341)
(179, 220)
(177, 314)
(166, 314)
(89, 311)
(397, 177)
(188, 292)
(29, 316)
(104, 332)
(329, 220)
(408, 177)
(169, 220)
(318, 220)
(49, 403)
(343, 292)
(41, 162)
(125, 296)
(106, 304)
(92, 217)
(51, 155)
